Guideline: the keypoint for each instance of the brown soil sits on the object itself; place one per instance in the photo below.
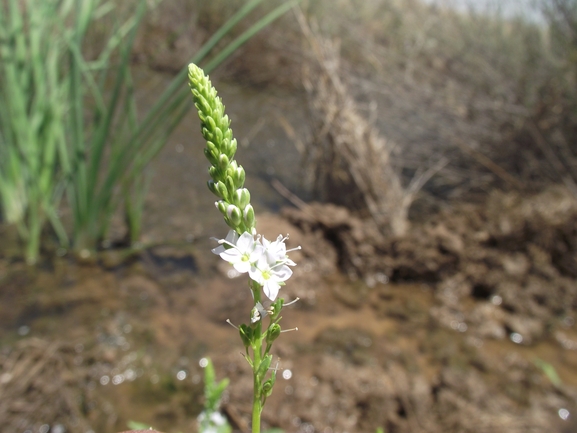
(464, 325)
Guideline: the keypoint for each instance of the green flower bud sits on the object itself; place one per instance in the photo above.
(218, 137)
(220, 190)
(238, 177)
(272, 333)
(231, 147)
(209, 127)
(233, 214)
(264, 365)
(230, 186)
(277, 307)
(214, 173)
(202, 106)
(246, 335)
(211, 153)
(268, 385)
(241, 198)
(217, 188)
(248, 216)
(223, 162)
(221, 205)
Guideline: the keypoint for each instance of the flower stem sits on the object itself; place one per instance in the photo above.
(257, 355)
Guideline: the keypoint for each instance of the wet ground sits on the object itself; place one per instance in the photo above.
(465, 325)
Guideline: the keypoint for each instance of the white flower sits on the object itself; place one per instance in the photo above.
(212, 423)
(270, 275)
(277, 251)
(230, 240)
(243, 251)
(266, 262)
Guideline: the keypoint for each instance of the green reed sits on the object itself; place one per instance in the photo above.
(32, 118)
(70, 124)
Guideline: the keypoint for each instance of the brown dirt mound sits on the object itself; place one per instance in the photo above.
(518, 253)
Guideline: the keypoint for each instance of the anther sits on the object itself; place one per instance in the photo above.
(292, 302)
(231, 324)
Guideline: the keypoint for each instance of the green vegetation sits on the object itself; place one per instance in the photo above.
(69, 124)
(210, 418)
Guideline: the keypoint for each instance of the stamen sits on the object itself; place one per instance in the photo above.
(231, 324)
(276, 368)
(289, 330)
(292, 302)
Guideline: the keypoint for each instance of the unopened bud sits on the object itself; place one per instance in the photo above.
(209, 124)
(241, 198)
(214, 188)
(211, 153)
(230, 186)
(269, 384)
(276, 307)
(273, 333)
(223, 162)
(219, 189)
(264, 365)
(233, 214)
(231, 147)
(218, 135)
(248, 216)
(245, 335)
(221, 206)
(238, 176)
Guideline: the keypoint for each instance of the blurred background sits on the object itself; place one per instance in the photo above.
(421, 152)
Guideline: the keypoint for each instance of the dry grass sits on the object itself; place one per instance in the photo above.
(494, 96)
(348, 153)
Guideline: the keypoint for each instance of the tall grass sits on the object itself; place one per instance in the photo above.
(32, 118)
(73, 124)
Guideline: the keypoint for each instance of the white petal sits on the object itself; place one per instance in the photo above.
(256, 275)
(232, 255)
(245, 242)
(257, 253)
(271, 289)
(218, 250)
(282, 273)
(242, 266)
(232, 237)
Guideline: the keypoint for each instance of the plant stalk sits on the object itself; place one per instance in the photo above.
(257, 355)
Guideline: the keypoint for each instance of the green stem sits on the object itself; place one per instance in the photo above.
(257, 355)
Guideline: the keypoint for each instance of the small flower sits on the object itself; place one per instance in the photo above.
(230, 240)
(277, 251)
(258, 313)
(270, 275)
(212, 422)
(243, 251)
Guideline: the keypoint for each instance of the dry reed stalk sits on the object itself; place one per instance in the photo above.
(347, 150)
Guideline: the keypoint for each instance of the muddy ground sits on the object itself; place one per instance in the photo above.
(467, 324)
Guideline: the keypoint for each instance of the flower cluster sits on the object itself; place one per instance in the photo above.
(266, 262)
(227, 176)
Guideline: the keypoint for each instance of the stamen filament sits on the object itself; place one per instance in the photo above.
(231, 324)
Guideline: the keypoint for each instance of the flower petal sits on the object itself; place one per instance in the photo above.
(271, 289)
(246, 242)
(282, 273)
